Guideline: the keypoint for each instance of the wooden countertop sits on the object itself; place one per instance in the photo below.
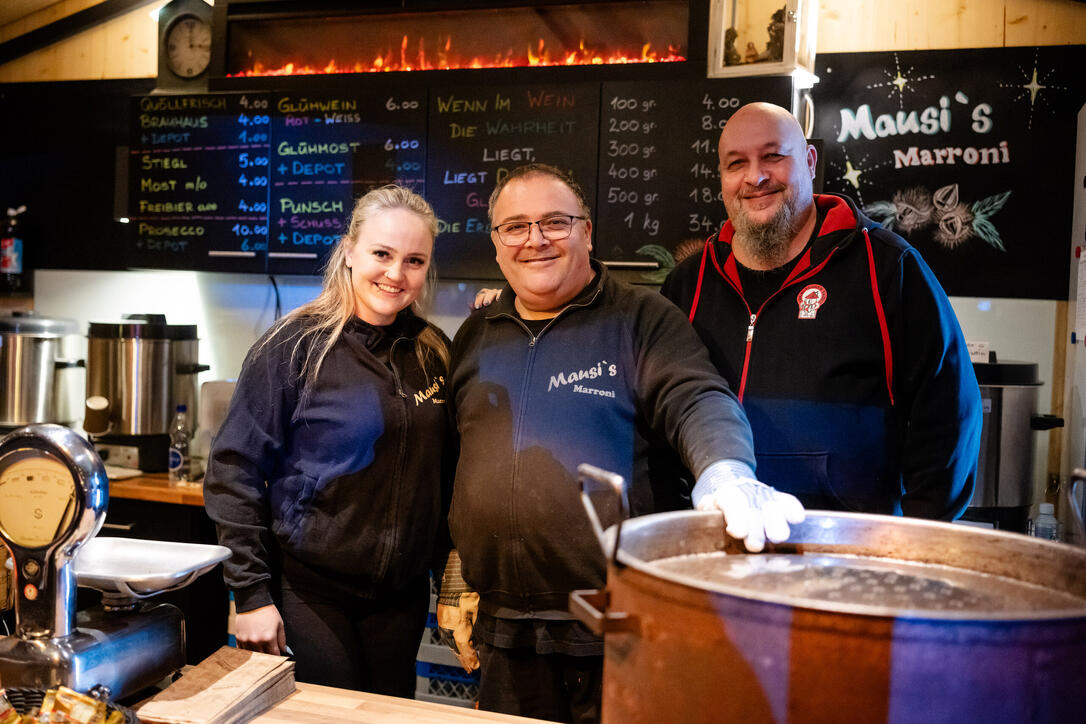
(313, 704)
(156, 487)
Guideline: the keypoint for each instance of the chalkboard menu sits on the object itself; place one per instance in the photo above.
(968, 154)
(659, 180)
(193, 202)
(329, 150)
(477, 135)
(265, 182)
(262, 182)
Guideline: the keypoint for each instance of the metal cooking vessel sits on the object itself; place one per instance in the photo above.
(1005, 466)
(33, 375)
(681, 647)
(144, 368)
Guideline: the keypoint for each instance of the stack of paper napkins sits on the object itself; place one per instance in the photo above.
(229, 686)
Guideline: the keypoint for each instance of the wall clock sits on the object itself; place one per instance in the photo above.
(184, 45)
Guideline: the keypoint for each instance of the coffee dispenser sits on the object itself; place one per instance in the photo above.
(1004, 495)
(138, 371)
(39, 381)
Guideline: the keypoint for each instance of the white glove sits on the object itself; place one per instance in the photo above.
(754, 511)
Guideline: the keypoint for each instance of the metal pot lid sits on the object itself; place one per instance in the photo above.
(141, 326)
(26, 322)
(863, 564)
(997, 374)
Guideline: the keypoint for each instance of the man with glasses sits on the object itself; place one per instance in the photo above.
(571, 366)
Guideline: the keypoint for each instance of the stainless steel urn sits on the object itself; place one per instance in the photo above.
(1004, 490)
(144, 368)
(34, 375)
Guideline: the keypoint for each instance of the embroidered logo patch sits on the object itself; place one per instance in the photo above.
(810, 299)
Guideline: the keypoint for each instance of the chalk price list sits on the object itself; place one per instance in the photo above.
(632, 169)
(311, 167)
(328, 150)
(251, 234)
(405, 156)
(658, 181)
(704, 198)
(200, 197)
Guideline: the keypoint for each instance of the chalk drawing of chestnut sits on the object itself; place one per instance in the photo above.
(955, 226)
(912, 209)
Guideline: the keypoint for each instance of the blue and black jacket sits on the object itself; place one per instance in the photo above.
(619, 380)
(351, 481)
(854, 374)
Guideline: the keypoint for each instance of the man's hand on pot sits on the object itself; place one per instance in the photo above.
(752, 510)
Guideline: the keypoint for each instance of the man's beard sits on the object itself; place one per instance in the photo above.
(768, 241)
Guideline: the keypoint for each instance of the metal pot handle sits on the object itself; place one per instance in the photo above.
(190, 368)
(1078, 480)
(590, 608)
(591, 476)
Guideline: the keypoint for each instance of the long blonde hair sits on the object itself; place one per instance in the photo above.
(328, 314)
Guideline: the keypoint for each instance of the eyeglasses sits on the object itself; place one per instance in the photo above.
(553, 228)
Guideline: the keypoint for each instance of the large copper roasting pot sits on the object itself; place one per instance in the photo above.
(858, 618)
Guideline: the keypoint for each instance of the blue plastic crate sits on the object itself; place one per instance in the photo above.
(446, 673)
(445, 684)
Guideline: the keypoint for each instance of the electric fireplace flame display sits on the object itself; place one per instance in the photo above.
(608, 33)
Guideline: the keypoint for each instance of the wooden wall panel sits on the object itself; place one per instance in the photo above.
(125, 47)
(870, 25)
(1045, 22)
(46, 15)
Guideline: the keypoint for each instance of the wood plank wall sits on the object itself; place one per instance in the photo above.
(870, 25)
(126, 47)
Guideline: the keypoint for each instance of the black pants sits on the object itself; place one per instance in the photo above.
(355, 643)
(556, 687)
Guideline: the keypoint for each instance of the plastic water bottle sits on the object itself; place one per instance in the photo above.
(179, 446)
(1045, 525)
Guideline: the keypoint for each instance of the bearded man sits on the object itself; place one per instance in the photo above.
(835, 335)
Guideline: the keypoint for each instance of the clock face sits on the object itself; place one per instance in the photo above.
(37, 500)
(188, 46)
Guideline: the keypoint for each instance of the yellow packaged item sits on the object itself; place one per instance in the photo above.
(8, 715)
(47, 703)
(66, 705)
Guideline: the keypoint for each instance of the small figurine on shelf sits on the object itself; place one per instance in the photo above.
(751, 55)
(731, 55)
(774, 49)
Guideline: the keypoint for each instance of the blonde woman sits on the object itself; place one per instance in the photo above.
(328, 475)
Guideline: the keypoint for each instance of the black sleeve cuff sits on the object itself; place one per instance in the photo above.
(252, 597)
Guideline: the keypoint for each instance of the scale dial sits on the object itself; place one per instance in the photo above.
(37, 500)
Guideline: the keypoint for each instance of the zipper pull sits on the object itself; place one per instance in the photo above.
(750, 327)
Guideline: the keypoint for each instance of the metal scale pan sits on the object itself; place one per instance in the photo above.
(126, 570)
(53, 498)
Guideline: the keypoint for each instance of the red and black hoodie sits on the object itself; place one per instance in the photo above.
(854, 373)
